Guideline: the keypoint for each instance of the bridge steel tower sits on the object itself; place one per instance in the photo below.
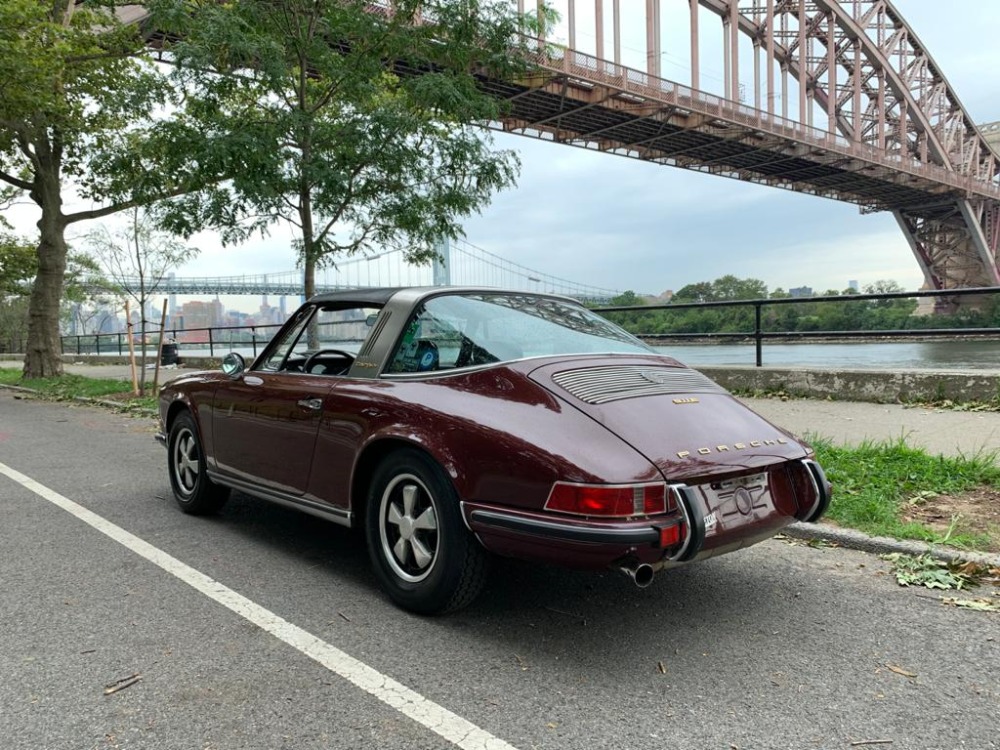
(866, 116)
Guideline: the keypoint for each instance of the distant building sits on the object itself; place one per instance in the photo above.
(800, 291)
(853, 286)
(197, 314)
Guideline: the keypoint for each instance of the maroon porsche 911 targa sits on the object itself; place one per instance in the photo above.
(452, 423)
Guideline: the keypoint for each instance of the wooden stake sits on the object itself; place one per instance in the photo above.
(159, 351)
(131, 349)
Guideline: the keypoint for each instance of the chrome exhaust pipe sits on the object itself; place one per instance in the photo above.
(641, 574)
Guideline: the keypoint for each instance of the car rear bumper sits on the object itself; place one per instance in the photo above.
(591, 534)
(714, 518)
(583, 543)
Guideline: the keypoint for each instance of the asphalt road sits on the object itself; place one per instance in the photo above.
(780, 646)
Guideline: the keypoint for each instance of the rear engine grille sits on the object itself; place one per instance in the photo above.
(599, 385)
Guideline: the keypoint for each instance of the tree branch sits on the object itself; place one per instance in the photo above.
(100, 213)
(344, 203)
(15, 181)
(25, 145)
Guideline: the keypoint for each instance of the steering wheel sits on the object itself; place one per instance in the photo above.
(470, 353)
(464, 352)
(307, 365)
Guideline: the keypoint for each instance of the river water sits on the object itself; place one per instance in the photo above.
(903, 355)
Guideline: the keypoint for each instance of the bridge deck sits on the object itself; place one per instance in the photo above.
(595, 104)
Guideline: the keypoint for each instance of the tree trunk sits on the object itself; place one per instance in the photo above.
(309, 254)
(43, 352)
(142, 350)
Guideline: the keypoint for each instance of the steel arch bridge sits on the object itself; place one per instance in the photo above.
(865, 115)
(846, 103)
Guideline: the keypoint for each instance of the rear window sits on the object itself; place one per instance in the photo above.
(455, 331)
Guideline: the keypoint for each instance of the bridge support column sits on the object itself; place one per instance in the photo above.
(441, 269)
(951, 247)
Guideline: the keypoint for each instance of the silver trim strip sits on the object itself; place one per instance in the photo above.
(313, 508)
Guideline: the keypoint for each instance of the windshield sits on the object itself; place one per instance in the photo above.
(466, 330)
(330, 328)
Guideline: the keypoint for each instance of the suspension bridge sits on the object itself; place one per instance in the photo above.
(460, 263)
(834, 98)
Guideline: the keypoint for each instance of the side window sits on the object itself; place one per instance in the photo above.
(430, 342)
(293, 334)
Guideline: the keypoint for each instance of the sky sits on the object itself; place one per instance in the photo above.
(623, 224)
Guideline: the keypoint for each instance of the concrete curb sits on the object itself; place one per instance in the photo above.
(872, 386)
(115, 405)
(848, 538)
(883, 545)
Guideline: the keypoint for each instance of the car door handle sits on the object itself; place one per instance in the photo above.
(313, 404)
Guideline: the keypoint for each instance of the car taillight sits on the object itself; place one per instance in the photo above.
(615, 501)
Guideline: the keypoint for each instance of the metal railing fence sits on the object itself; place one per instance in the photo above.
(252, 338)
(226, 338)
(759, 335)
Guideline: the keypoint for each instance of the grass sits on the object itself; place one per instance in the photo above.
(875, 481)
(70, 387)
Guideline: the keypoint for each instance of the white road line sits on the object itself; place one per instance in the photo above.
(454, 728)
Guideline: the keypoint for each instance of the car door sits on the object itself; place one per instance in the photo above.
(265, 420)
(265, 426)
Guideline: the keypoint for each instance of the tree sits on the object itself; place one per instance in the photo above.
(136, 259)
(74, 94)
(731, 288)
(353, 126)
(724, 288)
(18, 268)
(700, 292)
(627, 299)
(18, 265)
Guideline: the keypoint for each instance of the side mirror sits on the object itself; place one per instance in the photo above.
(370, 320)
(233, 364)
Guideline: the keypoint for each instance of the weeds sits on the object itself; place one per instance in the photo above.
(928, 572)
(876, 481)
(931, 573)
(71, 387)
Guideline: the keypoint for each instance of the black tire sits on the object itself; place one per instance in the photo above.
(424, 557)
(194, 492)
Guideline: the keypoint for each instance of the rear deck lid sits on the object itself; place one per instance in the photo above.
(681, 420)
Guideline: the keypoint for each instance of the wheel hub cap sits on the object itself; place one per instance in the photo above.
(409, 530)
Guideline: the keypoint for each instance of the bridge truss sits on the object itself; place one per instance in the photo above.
(847, 104)
(866, 116)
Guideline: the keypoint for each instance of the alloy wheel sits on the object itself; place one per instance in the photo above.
(408, 528)
(186, 461)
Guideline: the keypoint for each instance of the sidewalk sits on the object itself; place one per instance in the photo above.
(939, 431)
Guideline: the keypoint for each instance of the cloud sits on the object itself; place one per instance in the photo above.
(638, 226)
(620, 223)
